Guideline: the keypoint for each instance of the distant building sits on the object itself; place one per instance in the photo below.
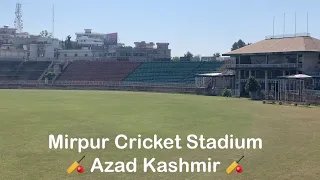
(25, 46)
(6, 35)
(44, 48)
(89, 39)
(212, 58)
(8, 47)
(141, 52)
(88, 46)
(208, 58)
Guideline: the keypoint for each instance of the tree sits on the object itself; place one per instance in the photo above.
(68, 43)
(196, 57)
(175, 58)
(252, 87)
(49, 75)
(46, 34)
(188, 55)
(226, 92)
(241, 43)
(216, 55)
(237, 45)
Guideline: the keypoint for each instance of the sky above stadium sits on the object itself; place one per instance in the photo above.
(199, 26)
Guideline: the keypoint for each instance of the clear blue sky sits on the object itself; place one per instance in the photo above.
(200, 26)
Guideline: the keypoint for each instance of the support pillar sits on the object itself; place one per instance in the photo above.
(283, 73)
(266, 88)
(250, 73)
(239, 82)
(239, 78)
(234, 85)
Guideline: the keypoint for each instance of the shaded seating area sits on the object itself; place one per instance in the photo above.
(98, 71)
(31, 70)
(8, 69)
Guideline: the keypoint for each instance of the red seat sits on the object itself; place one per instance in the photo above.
(98, 71)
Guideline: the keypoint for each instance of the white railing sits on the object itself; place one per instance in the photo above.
(106, 83)
(99, 83)
(312, 92)
(21, 82)
(262, 80)
(286, 65)
(313, 74)
(288, 36)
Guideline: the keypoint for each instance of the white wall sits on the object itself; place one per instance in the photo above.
(33, 50)
(13, 54)
(49, 51)
(71, 53)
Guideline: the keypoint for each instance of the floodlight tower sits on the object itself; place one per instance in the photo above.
(18, 23)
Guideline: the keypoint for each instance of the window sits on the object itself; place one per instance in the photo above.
(86, 55)
(300, 58)
(65, 55)
(75, 55)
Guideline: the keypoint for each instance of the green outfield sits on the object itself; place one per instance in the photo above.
(291, 138)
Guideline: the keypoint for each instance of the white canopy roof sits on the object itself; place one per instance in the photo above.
(297, 76)
(215, 74)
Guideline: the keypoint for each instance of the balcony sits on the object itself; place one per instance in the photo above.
(262, 80)
(264, 66)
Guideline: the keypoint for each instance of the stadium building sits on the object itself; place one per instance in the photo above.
(276, 56)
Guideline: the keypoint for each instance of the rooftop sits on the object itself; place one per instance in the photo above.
(7, 27)
(278, 44)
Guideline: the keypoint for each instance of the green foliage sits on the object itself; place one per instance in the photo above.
(196, 58)
(46, 34)
(226, 92)
(216, 55)
(176, 59)
(237, 45)
(68, 43)
(252, 85)
(49, 75)
(189, 55)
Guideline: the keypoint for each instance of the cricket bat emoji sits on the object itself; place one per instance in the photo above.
(74, 166)
(233, 166)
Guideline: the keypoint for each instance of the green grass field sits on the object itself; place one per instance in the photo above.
(291, 138)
